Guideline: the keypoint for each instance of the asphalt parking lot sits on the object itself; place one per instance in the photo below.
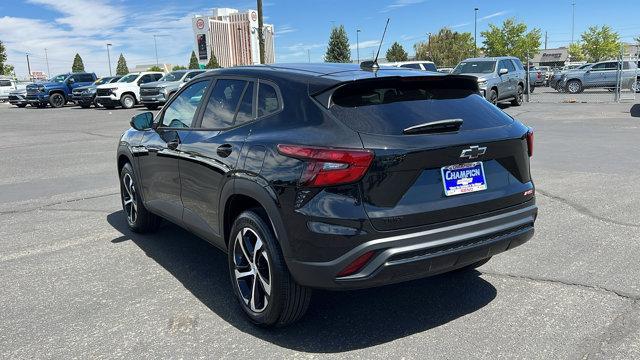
(77, 284)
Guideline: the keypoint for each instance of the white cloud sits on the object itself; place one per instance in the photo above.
(285, 29)
(397, 4)
(83, 17)
(490, 16)
(365, 44)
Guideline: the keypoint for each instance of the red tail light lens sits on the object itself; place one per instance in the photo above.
(329, 166)
(357, 264)
(530, 142)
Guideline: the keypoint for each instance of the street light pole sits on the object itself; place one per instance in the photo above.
(358, 45)
(573, 18)
(155, 43)
(260, 32)
(309, 55)
(475, 32)
(46, 58)
(109, 59)
(29, 67)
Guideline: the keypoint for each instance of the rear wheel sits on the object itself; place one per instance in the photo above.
(493, 97)
(261, 282)
(127, 101)
(574, 87)
(56, 100)
(139, 219)
(519, 99)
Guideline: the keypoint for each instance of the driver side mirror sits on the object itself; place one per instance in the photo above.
(503, 71)
(142, 121)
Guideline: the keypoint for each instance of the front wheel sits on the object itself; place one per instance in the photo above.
(139, 219)
(493, 97)
(261, 282)
(574, 87)
(127, 101)
(519, 99)
(56, 100)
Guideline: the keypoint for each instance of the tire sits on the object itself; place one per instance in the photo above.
(21, 105)
(127, 101)
(519, 99)
(256, 265)
(574, 87)
(139, 219)
(531, 89)
(152, 107)
(493, 97)
(56, 100)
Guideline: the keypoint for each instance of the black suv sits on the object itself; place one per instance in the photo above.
(331, 176)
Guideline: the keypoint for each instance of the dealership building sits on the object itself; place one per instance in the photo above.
(233, 37)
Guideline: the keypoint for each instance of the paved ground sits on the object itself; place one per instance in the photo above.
(77, 284)
(549, 95)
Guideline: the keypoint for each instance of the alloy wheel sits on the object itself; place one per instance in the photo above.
(57, 100)
(129, 198)
(573, 87)
(128, 102)
(252, 270)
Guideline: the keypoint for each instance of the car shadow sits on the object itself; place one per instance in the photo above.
(635, 110)
(335, 321)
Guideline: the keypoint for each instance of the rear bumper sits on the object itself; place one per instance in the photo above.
(426, 253)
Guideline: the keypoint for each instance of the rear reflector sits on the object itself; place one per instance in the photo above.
(530, 142)
(356, 265)
(329, 166)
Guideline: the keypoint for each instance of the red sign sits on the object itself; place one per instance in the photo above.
(254, 16)
(200, 24)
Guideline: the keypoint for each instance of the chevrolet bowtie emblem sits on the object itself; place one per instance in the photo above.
(473, 152)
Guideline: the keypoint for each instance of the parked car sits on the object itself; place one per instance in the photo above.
(7, 85)
(57, 91)
(445, 70)
(557, 75)
(126, 91)
(85, 96)
(535, 78)
(331, 176)
(499, 78)
(19, 97)
(157, 93)
(546, 74)
(604, 74)
(417, 64)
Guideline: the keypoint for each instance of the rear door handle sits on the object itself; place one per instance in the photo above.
(173, 144)
(224, 150)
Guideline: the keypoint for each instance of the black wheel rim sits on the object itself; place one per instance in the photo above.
(252, 270)
(57, 100)
(129, 199)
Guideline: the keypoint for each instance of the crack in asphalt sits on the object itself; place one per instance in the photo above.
(43, 207)
(584, 210)
(621, 294)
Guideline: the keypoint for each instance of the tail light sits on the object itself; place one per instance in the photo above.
(357, 264)
(539, 75)
(329, 166)
(530, 141)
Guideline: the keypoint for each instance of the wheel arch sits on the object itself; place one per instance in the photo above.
(129, 92)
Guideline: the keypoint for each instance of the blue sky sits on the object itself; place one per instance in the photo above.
(69, 26)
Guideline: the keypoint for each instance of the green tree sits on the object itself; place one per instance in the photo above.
(78, 65)
(213, 62)
(600, 43)
(396, 53)
(3, 57)
(575, 52)
(338, 50)
(446, 48)
(8, 70)
(193, 62)
(179, 67)
(511, 39)
(155, 68)
(122, 68)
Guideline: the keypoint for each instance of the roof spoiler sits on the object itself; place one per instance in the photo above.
(458, 82)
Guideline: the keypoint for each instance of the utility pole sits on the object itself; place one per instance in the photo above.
(309, 55)
(109, 59)
(156, 45)
(29, 67)
(260, 31)
(46, 58)
(358, 45)
(573, 18)
(429, 46)
(475, 32)
(545, 40)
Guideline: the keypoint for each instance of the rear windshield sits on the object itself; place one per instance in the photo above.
(389, 106)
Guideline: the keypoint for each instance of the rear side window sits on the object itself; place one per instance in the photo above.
(268, 101)
(83, 78)
(510, 66)
(519, 65)
(429, 67)
(223, 103)
(388, 107)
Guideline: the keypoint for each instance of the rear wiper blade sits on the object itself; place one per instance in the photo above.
(434, 126)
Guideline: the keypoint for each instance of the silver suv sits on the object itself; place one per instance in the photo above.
(157, 93)
(499, 78)
(604, 74)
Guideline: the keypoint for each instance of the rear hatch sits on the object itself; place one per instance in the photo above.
(442, 152)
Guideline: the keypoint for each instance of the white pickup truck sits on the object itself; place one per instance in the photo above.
(126, 91)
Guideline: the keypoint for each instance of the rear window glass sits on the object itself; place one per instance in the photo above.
(429, 67)
(389, 106)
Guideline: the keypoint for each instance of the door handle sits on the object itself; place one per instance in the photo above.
(224, 150)
(173, 144)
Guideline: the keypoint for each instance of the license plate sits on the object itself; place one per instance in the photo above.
(463, 178)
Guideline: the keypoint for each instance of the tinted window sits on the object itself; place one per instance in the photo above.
(148, 78)
(223, 104)
(504, 64)
(156, 77)
(475, 67)
(510, 65)
(5, 83)
(519, 65)
(192, 74)
(373, 107)
(181, 111)
(245, 111)
(411, 66)
(268, 102)
(83, 78)
(129, 78)
(429, 67)
(604, 66)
